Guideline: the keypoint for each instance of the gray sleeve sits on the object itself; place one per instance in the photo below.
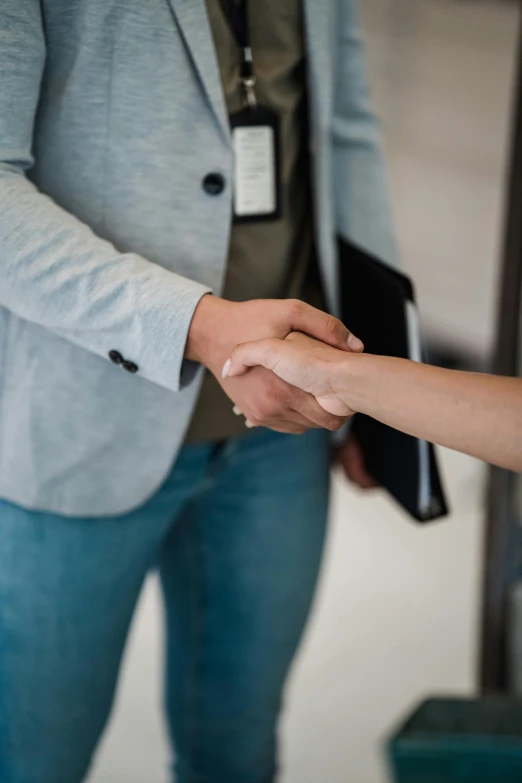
(54, 271)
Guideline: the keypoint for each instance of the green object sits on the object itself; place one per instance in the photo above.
(460, 741)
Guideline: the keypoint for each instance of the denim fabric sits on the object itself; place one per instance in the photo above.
(237, 533)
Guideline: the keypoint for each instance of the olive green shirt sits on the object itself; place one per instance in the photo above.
(269, 259)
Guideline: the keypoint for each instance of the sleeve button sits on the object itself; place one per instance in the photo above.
(116, 357)
(130, 367)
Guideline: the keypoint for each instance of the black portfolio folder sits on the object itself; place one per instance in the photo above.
(378, 305)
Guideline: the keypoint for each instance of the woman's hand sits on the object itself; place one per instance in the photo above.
(299, 360)
(477, 414)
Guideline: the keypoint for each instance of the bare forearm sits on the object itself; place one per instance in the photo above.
(477, 414)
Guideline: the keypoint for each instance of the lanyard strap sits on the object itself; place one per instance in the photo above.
(238, 11)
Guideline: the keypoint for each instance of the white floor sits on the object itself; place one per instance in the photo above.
(397, 614)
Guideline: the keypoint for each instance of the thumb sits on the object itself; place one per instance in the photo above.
(263, 353)
(324, 327)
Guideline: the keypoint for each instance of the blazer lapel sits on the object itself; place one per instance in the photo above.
(192, 19)
(319, 22)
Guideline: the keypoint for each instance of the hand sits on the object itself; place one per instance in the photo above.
(301, 361)
(317, 369)
(351, 458)
(264, 399)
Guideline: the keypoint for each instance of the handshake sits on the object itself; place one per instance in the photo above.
(291, 367)
(276, 360)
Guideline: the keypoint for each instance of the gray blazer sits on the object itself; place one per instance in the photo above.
(111, 115)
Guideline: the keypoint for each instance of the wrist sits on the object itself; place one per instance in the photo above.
(203, 336)
(353, 380)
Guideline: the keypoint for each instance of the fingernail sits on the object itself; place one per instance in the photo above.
(354, 344)
(226, 369)
(249, 424)
(236, 410)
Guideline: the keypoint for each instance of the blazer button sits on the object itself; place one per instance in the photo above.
(214, 184)
(116, 357)
(130, 366)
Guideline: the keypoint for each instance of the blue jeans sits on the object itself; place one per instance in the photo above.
(236, 533)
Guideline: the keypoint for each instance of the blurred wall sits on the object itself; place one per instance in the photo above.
(442, 73)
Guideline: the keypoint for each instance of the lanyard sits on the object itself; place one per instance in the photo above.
(238, 10)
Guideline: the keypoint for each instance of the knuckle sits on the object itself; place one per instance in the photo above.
(274, 407)
(275, 393)
(334, 327)
(236, 351)
(295, 308)
(263, 411)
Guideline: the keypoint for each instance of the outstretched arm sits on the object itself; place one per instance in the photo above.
(477, 414)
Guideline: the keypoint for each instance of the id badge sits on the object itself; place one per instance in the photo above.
(257, 178)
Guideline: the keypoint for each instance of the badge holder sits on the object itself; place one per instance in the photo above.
(256, 139)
